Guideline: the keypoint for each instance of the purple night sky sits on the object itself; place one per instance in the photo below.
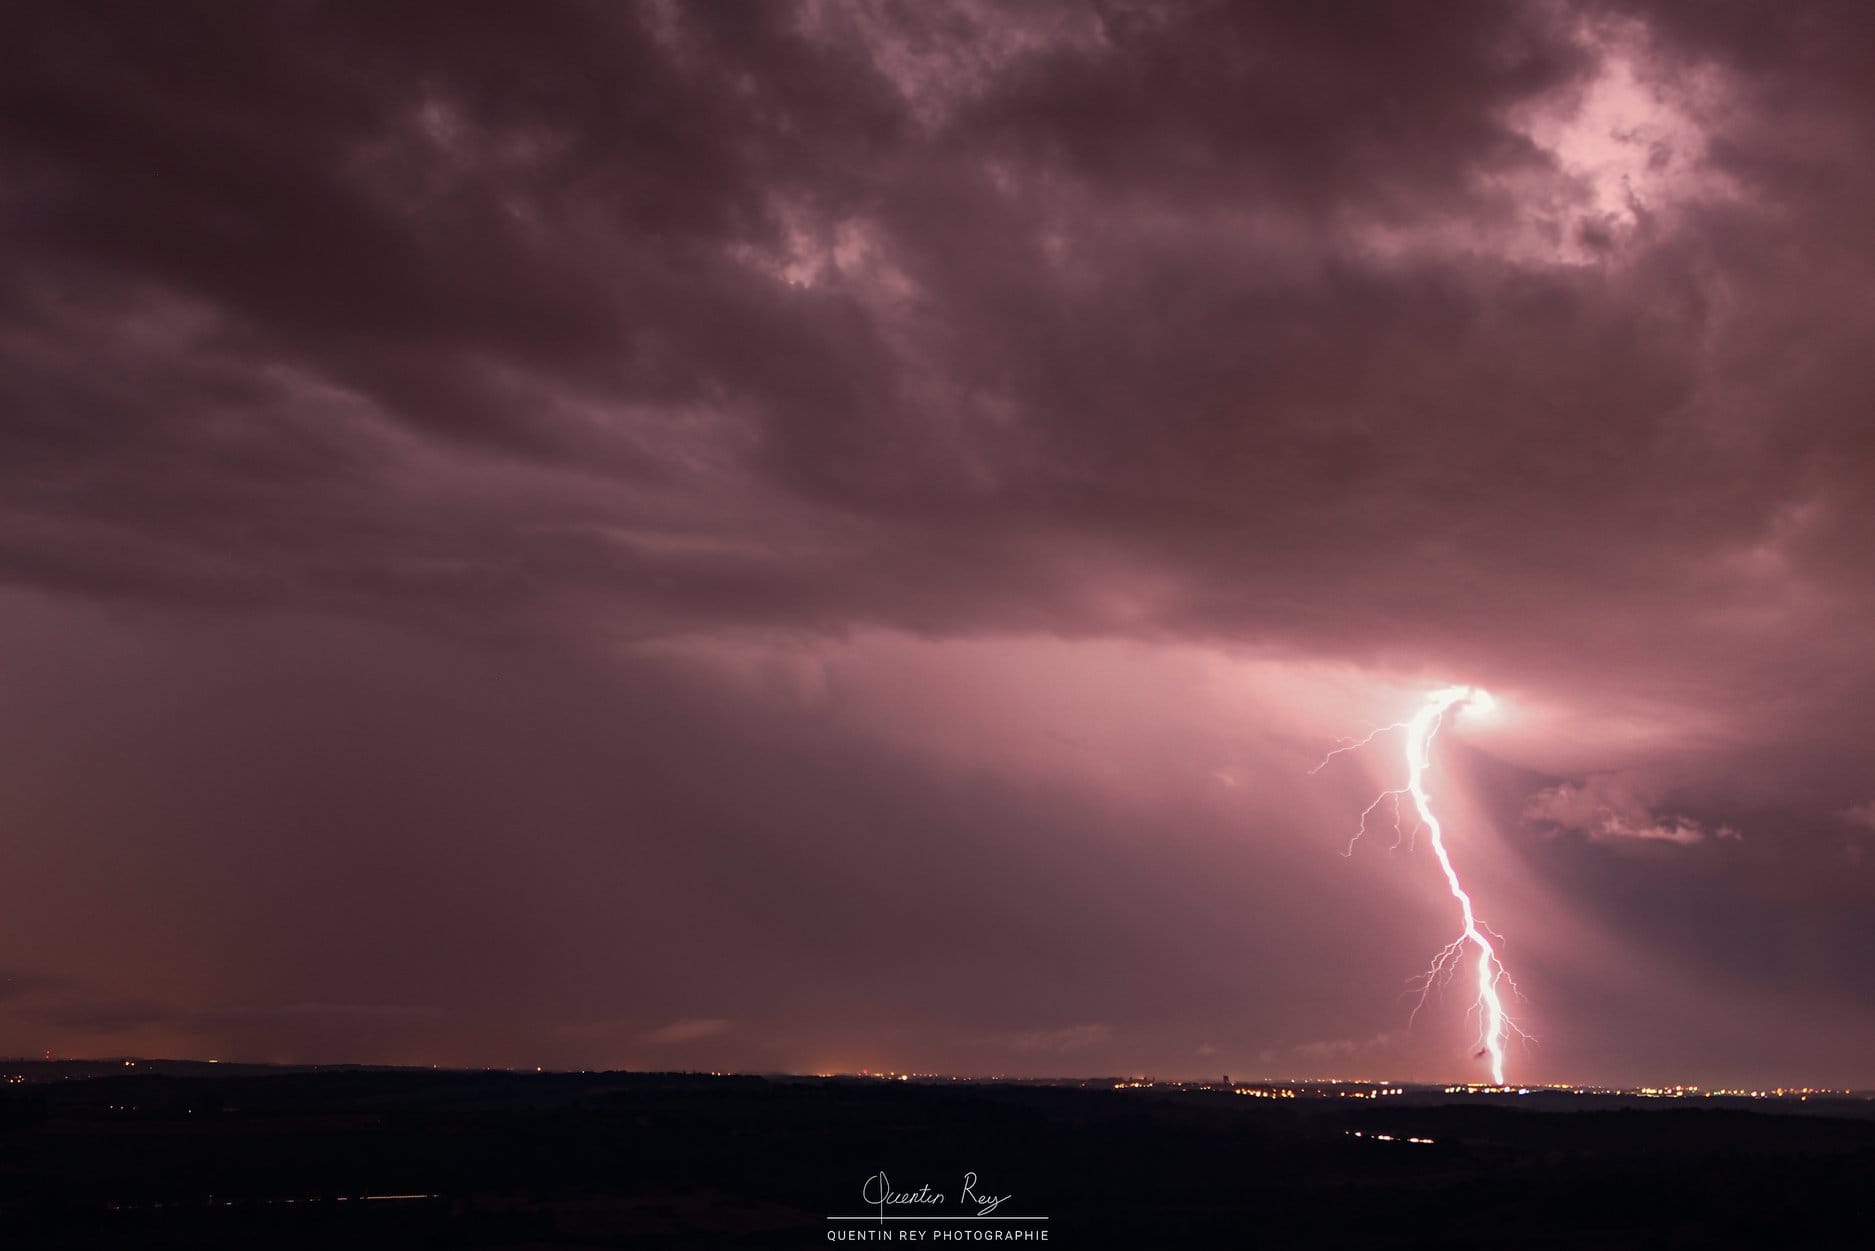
(809, 537)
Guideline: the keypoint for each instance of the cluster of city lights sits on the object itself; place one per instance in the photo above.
(1306, 1088)
(1355, 1133)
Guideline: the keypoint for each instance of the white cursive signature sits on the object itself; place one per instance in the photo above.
(878, 1193)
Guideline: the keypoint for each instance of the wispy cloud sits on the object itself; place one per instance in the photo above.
(686, 1030)
(1612, 809)
(1059, 1041)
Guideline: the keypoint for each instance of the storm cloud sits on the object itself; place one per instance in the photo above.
(830, 534)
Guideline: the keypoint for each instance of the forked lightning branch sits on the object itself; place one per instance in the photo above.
(1474, 938)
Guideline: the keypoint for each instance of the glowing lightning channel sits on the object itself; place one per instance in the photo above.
(1494, 1024)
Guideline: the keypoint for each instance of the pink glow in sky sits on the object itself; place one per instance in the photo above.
(820, 536)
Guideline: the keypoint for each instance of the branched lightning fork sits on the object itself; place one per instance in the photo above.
(1494, 1025)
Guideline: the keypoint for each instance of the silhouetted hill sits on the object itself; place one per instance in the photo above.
(420, 1158)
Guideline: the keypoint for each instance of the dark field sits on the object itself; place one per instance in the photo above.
(287, 1159)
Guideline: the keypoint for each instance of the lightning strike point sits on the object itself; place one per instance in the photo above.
(1494, 1024)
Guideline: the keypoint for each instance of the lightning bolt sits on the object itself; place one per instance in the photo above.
(1494, 1024)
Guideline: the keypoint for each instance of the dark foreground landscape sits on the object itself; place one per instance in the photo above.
(200, 1157)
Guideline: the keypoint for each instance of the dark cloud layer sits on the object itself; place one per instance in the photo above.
(533, 435)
